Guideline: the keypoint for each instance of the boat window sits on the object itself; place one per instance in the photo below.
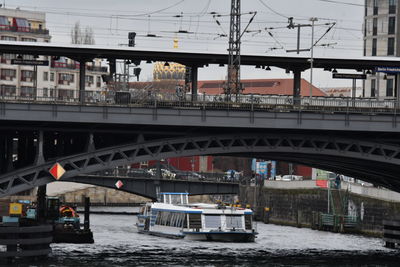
(212, 221)
(162, 217)
(195, 220)
(175, 199)
(185, 199)
(234, 221)
(185, 221)
(247, 221)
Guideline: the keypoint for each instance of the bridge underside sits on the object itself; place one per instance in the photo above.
(28, 155)
(150, 187)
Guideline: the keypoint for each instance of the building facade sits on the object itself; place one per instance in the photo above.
(381, 38)
(60, 79)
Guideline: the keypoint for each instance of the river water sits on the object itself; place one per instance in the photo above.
(118, 244)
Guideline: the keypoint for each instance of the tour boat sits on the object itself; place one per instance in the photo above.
(174, 217)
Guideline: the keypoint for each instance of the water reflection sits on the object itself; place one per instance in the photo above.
(118, 244)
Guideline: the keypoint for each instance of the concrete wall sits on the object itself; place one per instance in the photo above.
(74, 193)
(296, 206)
(101, 195)
(367, 191)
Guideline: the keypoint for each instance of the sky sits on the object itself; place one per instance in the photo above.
(207, 21)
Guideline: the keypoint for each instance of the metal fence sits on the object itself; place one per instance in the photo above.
(151, 173)
(156, 99)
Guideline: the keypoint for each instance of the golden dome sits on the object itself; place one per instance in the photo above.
(174, 71)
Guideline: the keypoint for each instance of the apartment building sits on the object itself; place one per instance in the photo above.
(58, 80)
(381, 38)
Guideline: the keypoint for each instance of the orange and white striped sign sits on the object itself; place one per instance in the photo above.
(57, 171)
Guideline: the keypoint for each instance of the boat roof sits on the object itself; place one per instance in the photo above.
(200, 208)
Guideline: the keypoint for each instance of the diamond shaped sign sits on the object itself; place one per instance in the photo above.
(119, 184)
(57, 171)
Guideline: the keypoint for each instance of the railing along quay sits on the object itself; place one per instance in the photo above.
(153, 99)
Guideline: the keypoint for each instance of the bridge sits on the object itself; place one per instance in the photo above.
(355, 137)
(150, 188)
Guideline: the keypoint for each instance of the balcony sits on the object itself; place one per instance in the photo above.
(76, 66)
(63, 65)
(97, 69)
(4, 28)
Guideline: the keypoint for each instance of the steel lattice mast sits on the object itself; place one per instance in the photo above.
(233, 85)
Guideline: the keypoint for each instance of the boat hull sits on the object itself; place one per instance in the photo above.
(221, 236)
(161, 234)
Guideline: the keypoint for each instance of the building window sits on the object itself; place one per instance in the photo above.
(4, 23)
(374, 47)
(45, 92)
(390, 47)
(392, 25)
(375, 7)
(27, 91)
(51, 76)
(89, 80)
(28, 40)
(389, 87)
(65, 78)
(28, 57)
(27, 75)
(8, 90)
(65, 94)
(6, 57)
(8, 38)
(8, 74)
(375, 26)
(98, 82)
(45, 76)
(373, 84)
(392, 6)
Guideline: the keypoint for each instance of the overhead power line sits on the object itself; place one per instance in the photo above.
(342, 3)
(272, 10)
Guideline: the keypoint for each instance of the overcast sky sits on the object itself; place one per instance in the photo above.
(112, 20)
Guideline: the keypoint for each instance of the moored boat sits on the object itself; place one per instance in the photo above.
(175, 217)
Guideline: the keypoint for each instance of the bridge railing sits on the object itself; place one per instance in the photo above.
(165, 174)
(156, 99)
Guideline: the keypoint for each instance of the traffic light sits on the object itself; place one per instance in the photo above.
(131, 38)
(136, 72)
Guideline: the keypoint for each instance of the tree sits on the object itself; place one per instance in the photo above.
(80, 37)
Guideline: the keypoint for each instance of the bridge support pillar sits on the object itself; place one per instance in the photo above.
(82, 80)
(296, 86)
(194, 77)
(41, 203)
(39, 151)
(9, 153)
(397, 90)
(90, 144)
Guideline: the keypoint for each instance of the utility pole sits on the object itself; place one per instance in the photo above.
(298, 26)
(313, 20)
(233, 84)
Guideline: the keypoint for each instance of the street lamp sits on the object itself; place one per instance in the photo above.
(313, 19)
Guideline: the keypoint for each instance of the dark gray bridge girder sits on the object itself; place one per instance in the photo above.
(147, 187)
(199, 58)
(40, 114)
(367, 160)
